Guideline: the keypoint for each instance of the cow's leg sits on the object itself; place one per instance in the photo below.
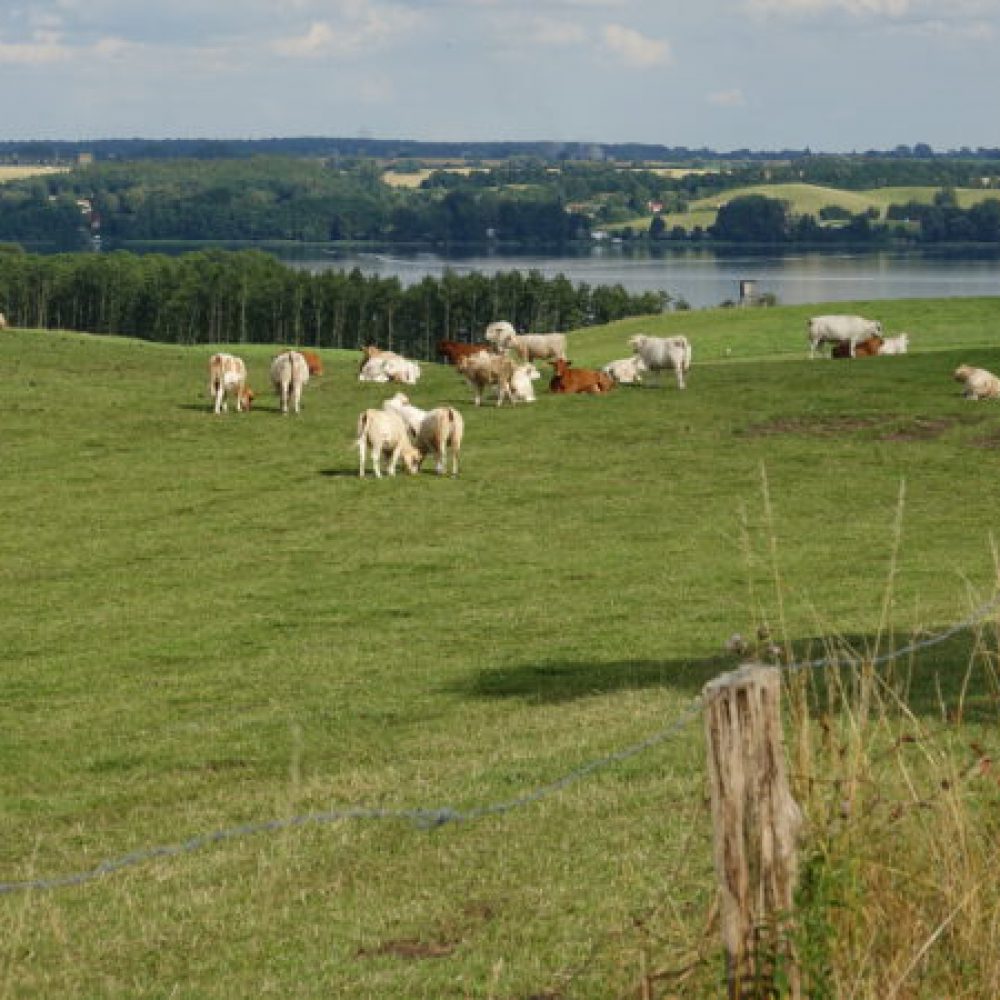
(361, 452)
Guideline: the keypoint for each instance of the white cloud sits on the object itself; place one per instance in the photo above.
(634, 49)
(892, 8)
(733, 98)
(359, 27)
(43, 47)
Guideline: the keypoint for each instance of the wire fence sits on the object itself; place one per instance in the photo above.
(438, 816)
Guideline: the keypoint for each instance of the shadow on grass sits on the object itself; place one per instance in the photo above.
(957, 678)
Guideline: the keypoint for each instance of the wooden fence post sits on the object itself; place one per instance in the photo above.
(756, 823)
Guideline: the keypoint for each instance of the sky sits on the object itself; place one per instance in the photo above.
(828, 75)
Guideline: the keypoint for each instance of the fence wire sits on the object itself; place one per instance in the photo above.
(435, 817)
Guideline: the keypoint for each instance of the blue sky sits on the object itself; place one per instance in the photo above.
(831, 75)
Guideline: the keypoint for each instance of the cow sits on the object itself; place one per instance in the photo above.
(522, 390)
(661, 353)
(384, 433)
(527, 346)
(484, 370)
(870, 348)
(834, 329)
(567, 379)
(979, 383)
(900, 344)
(626, 371)
(227, 376)
(289, 374)
(438, 431)
(314, 361)
(454, 350)
(370, 352)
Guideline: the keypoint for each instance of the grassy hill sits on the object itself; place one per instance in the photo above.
(809, 199)
(212, 622)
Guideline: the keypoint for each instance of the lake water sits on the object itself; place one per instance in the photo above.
(710, 277)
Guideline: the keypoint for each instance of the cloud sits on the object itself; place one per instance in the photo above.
(891, 8)
(733, 98)
(360, 26)
(634, 49)
(43, 47)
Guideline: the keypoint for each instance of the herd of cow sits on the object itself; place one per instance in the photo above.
(504, 363)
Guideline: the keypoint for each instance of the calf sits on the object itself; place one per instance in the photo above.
(289, 374)
(227, 376)
(568, 379)
(484, 370)
(384, 433)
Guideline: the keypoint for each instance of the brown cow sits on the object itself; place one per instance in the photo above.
(314, 361)
(569, 379)
(454, 350)
(863, 349)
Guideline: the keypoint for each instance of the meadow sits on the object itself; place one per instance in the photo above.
(211, 623)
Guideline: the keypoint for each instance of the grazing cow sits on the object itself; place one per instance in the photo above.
(899, 344)
(626, 371)
(289, 373)
(661, 353)
(568, 379)
(520, 382)
(454, 350)
(227, 376)
(484, 370)
(314, 362)
(869, 348)
(384, 433)
(979, 383)
(527, 346)
(436, 431)
(834, 329)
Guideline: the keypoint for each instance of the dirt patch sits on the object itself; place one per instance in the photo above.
(884, 428)
(990, 441)
(438, 944)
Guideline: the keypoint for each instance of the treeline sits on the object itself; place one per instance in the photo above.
(757, 219)
(250, 297)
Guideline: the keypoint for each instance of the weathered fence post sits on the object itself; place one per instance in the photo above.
(756, 823)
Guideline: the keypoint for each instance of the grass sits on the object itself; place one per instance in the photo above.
(213, 621)
(809, 199)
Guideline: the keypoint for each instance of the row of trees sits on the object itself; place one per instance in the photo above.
(250, 297)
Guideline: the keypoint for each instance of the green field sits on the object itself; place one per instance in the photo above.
(808, 199)
(212, 622)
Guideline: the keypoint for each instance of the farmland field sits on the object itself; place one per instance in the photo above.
(211, 623)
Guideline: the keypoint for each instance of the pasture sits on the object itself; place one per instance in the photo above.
(212, 622)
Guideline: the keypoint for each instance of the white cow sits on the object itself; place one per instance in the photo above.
(384, 433)
(895, 345)
(626, 371)
(527, 346)
(839, 329)
(227, 376)
(979, 383)
(289, 373)
(661, 353)
(436, 431)
(373, 370)
(401, 370)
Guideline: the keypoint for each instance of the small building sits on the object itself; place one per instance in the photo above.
(748, 292)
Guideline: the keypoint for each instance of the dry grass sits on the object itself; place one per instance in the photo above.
(19, 172)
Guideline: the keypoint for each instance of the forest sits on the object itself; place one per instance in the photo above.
(248, 296)
(521, 201)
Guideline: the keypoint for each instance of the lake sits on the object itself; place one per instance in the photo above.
(707, 277)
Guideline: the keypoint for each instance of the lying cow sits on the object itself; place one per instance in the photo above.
(661, 353)
(289, 374)
(227, 376)
(979, 383)
(434, 432)
(567, 379)
(900, 344)
(836, 329)
(626, 371)
(870, 348)
(384, 433)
